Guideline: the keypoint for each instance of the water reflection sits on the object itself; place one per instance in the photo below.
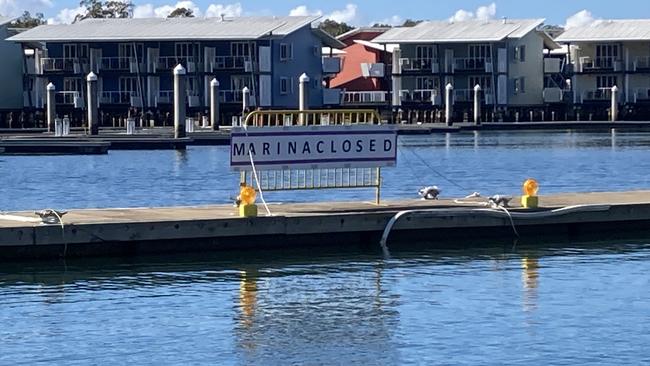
(530, 279)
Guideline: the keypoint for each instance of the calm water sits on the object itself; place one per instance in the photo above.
(488, 162)
(576, 304)
(570, 303)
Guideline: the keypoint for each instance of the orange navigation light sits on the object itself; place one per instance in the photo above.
(247, 195)
(530, 187)
(530, 199)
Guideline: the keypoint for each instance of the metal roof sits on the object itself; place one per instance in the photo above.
(154, 29)
(463, 31)
(380, 47)
(355, 31)
(609, 30)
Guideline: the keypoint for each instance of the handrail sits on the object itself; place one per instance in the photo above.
(311, 117)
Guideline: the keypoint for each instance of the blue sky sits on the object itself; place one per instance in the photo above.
(363, 12)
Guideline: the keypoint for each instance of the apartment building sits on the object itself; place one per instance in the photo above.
(11, 99)
(505, 57)
(134, 58)
(608, 53)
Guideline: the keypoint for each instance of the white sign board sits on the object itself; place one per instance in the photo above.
(312, 147)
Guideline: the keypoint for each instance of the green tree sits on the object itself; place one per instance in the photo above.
(181, 13)
(411, 23)
(28, 21)
(381, 25)
(107, 9)
(335, 28)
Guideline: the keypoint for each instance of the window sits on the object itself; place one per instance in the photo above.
(484, 81)
(284, 85)
(315, 83)
(70, 51)
(238, 82)
(605, 81)
(192, 86)
(126, 50)
(606, 55)
(424, 52)
(128, 84)
(519, 53)
(478, 51)
(286, 51)
(520, 85)
(71, 84)
(242, 49)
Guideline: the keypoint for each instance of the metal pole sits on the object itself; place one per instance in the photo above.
(93, 115)
(396, 99)
(614, 109)
(303, 103)
(477, 105)
(448, 106)
(51, 106)
(179, 101)
(245, 103)
(214, 104)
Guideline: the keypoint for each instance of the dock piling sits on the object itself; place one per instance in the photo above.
(245, 103)
(448, 104)
(179, 101)
(214, 104)
(51, 106)
(477, 104)
(303, 103)
(614, 109)
(93, 115)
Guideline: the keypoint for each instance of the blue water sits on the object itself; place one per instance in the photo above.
(570, 303)
(488, 162)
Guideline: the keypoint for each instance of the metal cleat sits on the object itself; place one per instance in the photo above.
(50, 217)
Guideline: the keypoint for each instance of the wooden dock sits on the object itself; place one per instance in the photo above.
(136, 231)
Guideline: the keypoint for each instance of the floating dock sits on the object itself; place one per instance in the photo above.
(128, 232)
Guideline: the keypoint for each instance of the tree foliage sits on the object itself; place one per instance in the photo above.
(105, 9)
(181, 13)
(411, 23)
(335, 28)
(28, 21)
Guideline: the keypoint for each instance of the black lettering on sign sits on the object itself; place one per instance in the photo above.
(372, 145)
(347, 146)
(238, 149)
(292, 147)
(359, 145)
(305, 148)
(388, 145)
(265, 148)
(251, 148)
(319, 147)
(332, 148)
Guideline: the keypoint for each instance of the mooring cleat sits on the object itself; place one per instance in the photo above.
(49, 216)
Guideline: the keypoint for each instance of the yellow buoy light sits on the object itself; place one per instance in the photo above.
(247, 206)
(530, 189)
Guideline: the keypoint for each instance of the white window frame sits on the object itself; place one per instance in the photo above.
(287, 83)
(242, 49)
(70, 51)
(128, 84)
(427, 83)
(520, 85)
(425, 52)
(606, 81)
(288, 49)
(481, 51)
(74, 82)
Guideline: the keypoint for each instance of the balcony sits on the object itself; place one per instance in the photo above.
(467, 96)
(165, 97)
(243, 63)
(168, 63)
(331, 65)
(376, 70)
(76, 66)
(589, 64)
(428, 65)
(597, 95)
(365, 97)
(642, 64)
(121, 97)
(472, 64)
(332, 96)
(69, 98)
(115, 63)
(642, 95)
(552, 95)
(552, 65)
(428, 96)
(230, 96)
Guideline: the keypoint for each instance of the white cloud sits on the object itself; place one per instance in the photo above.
(394, 20)
(347, 14)
(16, 7)
(229, 10)
(66, 15)
(485, 12)
(302, 10)
(213, 10)
(581, 19)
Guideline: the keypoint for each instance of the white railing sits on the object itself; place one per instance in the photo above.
(642, 62)
(168, 63)
(165, 96)
(473, 63)
(50, 64)
(597, 94)
(232, 63)
(115, 63)
(66, 97)
(365, 97)
(230, 96)
(600, 63)
(420, 96)
(420, 64)
(118, 97)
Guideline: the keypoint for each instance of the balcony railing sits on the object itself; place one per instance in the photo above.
(600, 94)
(467, 95)
(365, 97)
(420, 64)
(165, 97)
(115, 63)
(168, 63)
(233, 63)
(230, 96)
(600, 63)
(67, 97)
(421, 96)
(118, 97)
(472, 64)
(76, 66)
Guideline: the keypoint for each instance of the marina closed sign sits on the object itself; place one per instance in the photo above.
(312, 147)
